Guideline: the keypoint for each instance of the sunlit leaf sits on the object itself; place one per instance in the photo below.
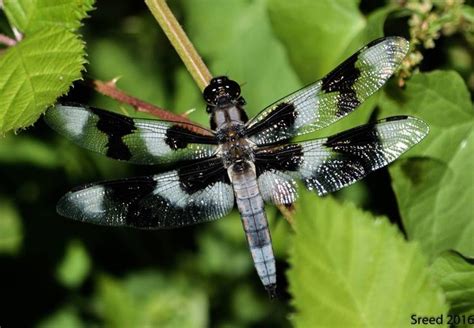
(42, 66)
(35, 72)
(349, 269)
(32, 15)
(455, 274)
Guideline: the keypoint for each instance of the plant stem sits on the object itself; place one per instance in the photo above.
(180, 42)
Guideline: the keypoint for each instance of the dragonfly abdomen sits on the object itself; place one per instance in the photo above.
(252, 211)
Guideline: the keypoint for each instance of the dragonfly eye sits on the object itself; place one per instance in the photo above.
(221, 90)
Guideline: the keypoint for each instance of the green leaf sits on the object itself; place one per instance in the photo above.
(35, 72)
(372, 30)
(188, 97)
(455, 274)
(235, 38)
(11, 234)
(75, 266)
(349, 269)
(316, 33)
(109, 60)
(33, 15)
(435, 192)
(42, 66)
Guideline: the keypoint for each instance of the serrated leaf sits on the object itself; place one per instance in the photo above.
(455, 274)
(11, 234)
(32, 15)
(315, 33)
(35, 72)
(349, 269)
(435, 192)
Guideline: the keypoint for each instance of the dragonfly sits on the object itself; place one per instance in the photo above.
(239, 162)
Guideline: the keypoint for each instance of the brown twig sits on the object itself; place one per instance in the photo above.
(110, 89)
(180, 42)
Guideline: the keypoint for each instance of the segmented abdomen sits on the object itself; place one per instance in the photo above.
(252, 211)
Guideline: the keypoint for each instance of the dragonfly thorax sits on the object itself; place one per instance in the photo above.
(234, 146)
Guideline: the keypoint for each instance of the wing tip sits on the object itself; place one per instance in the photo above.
(422, 128)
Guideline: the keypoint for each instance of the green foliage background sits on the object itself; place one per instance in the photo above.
(398, 243)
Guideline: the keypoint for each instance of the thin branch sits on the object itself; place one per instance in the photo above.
(6, 40)
(110, 89)
(180, 42)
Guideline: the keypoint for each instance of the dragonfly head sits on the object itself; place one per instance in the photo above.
(222, 92)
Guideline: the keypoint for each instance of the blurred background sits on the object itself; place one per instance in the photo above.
(60, 273)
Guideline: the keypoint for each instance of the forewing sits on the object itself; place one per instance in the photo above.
(329, 164)
(336, 95)
(139, 141)
(193, 194)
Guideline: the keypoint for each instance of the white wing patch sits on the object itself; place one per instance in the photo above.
(75, 121)
(155, 142)
(215, 200)
(90, 201)
(307, 107)
(277, 187)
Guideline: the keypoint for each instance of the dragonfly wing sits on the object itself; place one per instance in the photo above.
(329, 164)
(189, 195)
(331, 98)
(139, 141)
